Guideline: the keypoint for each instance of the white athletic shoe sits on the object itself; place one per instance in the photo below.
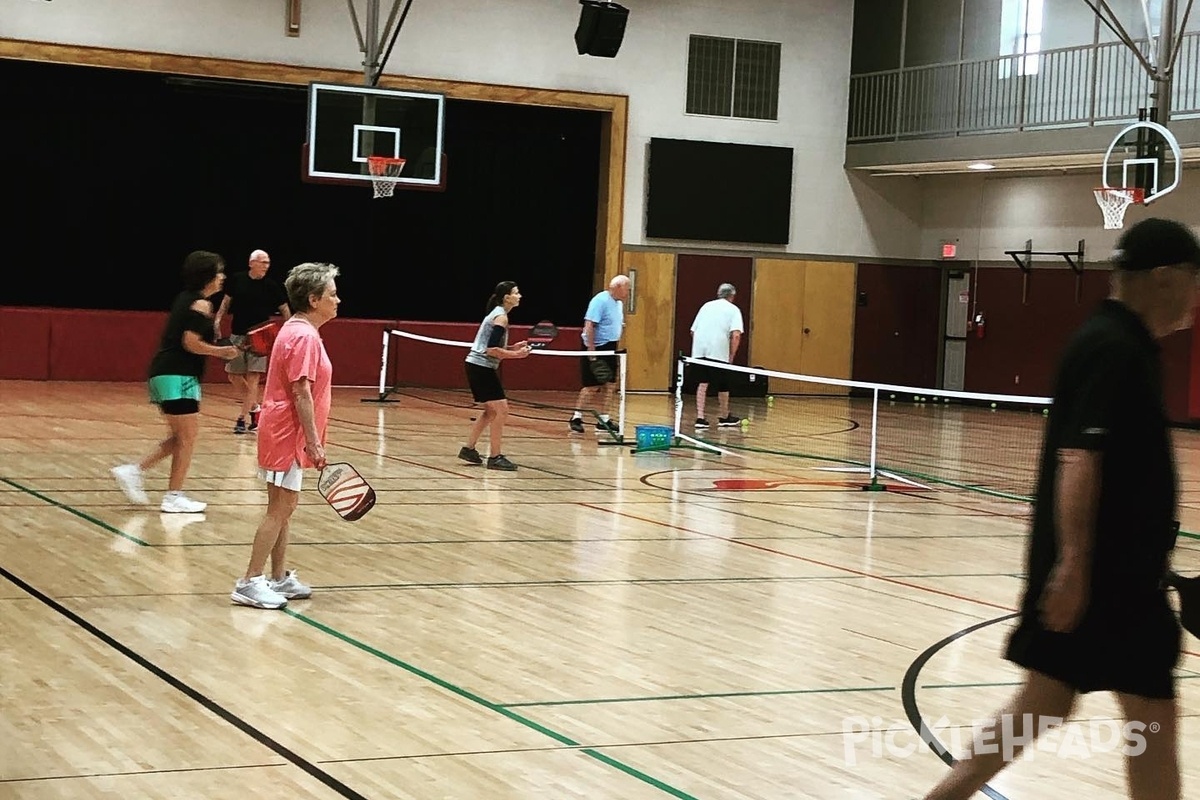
(180, 503)
(257, 592)
(291, 587)
(129, 478)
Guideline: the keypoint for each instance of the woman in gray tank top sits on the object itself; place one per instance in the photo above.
(482, 364)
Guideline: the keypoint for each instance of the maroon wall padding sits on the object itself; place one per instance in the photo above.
(896, 332)
(417, 363)
(355, 347)
(1027, 340)
(25, 343)
(90, 345)
(87, 345)
(696, 280)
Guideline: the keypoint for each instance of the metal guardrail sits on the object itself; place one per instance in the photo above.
(1065, 88)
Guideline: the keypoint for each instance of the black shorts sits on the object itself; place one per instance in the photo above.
(179, 408)
(716, 378)
(1131, 649)
(484, 383)
(585, 365)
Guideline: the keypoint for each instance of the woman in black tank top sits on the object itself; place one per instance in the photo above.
(174, 382)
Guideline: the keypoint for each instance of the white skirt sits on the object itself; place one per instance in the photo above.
(292, 478)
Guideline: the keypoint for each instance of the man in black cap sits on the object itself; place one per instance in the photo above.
(1095, 615)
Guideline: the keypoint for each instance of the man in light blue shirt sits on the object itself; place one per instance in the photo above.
(603, 324)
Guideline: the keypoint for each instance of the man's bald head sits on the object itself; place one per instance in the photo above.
(618, 287)
(260, 262)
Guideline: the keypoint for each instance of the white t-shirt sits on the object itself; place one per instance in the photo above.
(715, 320)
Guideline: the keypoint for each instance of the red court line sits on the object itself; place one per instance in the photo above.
(849, 570)
(754, 546)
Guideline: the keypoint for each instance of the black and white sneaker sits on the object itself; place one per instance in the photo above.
(729, 422)
(576, 424)
(470, 455)
(606, 426)
(701, 422)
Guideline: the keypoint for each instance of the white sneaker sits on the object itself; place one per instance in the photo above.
(180, 503)
(257, 592)
(129, 478)
(291, 587)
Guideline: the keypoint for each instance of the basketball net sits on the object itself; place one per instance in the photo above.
(383, 169)
(1113, 202)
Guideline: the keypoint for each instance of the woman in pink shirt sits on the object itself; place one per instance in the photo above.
(291, 430)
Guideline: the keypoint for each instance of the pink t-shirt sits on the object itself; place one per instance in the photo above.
(298, 353)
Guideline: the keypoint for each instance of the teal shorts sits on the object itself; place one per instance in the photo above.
(165, 388)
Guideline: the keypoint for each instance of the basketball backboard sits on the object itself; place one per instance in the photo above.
(1144, 155)
(349, 124)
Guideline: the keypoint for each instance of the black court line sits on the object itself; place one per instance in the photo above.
(176, 683)
(908, 696)
(140, 772)
(553, 584)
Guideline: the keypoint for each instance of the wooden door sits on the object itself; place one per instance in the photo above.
(649, 320)
(827, 348)
(803, 321)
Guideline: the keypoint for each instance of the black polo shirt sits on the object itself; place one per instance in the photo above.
(252, 300)
(1108, 398)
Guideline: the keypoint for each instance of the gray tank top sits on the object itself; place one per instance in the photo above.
(478, 354)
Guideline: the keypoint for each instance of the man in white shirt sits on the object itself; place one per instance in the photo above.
(716, 334)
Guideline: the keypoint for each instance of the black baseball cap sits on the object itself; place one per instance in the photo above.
(1153, 243)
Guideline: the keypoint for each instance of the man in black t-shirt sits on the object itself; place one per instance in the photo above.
(1095, 614)
(252, 298)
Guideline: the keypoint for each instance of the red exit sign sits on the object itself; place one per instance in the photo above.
(949, 249)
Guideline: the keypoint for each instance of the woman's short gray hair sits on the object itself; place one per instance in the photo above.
(307, 279)
(726, 290)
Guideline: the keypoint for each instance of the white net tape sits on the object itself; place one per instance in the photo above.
(1114, 202)
(381, 171)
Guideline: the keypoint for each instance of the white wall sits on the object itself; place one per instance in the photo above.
(530, 43)
(988, 215)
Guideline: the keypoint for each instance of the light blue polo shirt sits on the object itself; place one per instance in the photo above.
(608, 315)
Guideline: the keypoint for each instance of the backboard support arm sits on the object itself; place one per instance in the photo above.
(370, 41)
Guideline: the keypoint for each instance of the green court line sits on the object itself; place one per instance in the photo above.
(1188, 677)
(603, 700)
(558, 737)
(64, 507)
(499, 709)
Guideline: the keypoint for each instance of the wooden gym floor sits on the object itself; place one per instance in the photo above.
(596, 625)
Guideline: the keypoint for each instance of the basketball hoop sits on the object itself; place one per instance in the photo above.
(382, 171)
(1114, 201)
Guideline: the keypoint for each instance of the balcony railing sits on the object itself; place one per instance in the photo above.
(1071, 87)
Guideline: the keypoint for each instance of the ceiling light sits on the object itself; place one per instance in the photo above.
(981, 165)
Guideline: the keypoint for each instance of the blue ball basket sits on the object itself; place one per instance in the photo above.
(654, 437)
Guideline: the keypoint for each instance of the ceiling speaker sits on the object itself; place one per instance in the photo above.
(601, 28)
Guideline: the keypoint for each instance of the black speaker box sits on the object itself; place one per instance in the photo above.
(601, 28)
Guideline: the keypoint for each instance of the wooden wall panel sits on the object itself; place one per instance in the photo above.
(791, 296)
(828, 333)
(777, 318)
(649, 327)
